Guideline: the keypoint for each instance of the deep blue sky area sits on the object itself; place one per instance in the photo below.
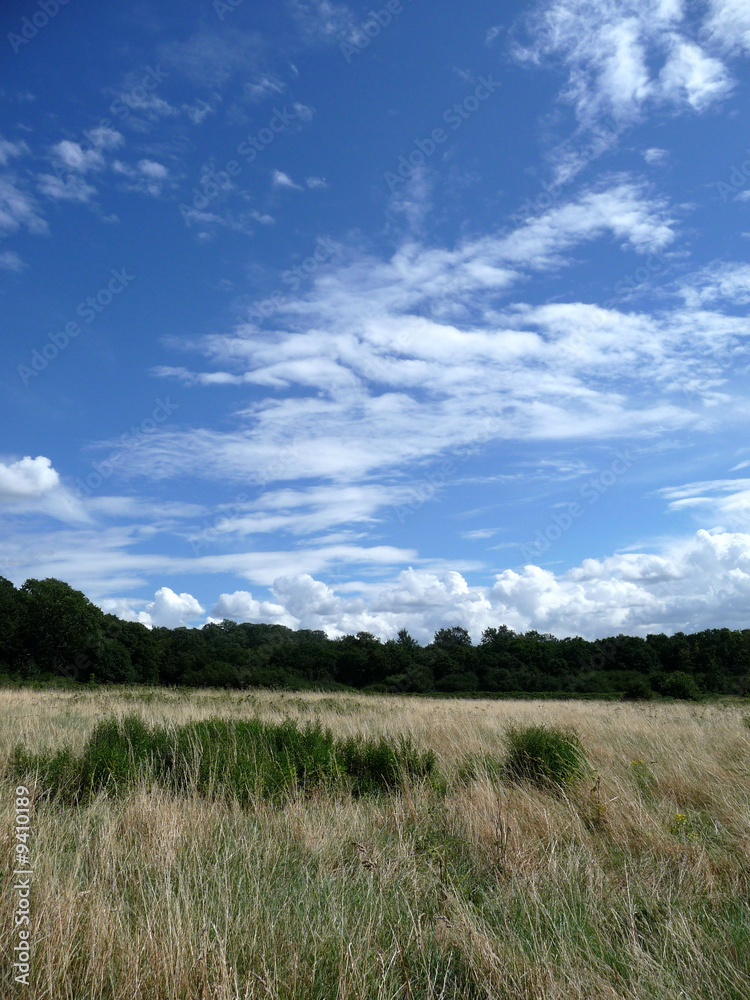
(363, 317)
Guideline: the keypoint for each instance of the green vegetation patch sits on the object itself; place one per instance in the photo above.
(545, 756)
(226, 759)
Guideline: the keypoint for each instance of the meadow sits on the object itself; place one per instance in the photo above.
(448, 881)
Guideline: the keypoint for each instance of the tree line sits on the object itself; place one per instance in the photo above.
(48, 630)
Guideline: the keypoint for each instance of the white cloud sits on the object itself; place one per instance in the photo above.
(623, 58)
(198, 112)
(106, 138)
(74, 157)
(280, 179)
(10, 261)
(9, 150)
(389, 362)
(691, 76)
(693, 583)
(727, 501)
(147, 177)
(167, 609)
(266, 86)
(152, 169)
(242, 607)
(656, 157)
(728, 282)
(18, 209)
(316, 182)
(70, 188)
(28, 478)
(728, 24)
(325, 21)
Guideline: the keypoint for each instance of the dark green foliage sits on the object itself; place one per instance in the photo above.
(637, 689)
(545, 755)
(678, 685)
(381, 764)
(49, 631)
(224, 759)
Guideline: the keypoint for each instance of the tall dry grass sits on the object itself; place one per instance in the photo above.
(633, 885)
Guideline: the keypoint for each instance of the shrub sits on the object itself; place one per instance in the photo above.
(545, 756)
(222, 758)
(637, 689)
(679, 685)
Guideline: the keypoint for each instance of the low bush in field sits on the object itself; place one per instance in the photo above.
(545, 755)
(222, 759)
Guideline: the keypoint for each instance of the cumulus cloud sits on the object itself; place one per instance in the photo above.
(68, 188)
(693, 583)
(241, 606)
(29, 478)
(147, 176)
(167, 609)
(74, 157)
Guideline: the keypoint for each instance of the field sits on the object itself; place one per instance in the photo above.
(632, 883)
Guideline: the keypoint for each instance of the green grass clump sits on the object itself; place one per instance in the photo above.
(545, 756)
(223, 759)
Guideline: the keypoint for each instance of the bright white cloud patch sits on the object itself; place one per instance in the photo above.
(28, 478)
(242, 607)
(688, 586)
(167, 609)
(624, 58)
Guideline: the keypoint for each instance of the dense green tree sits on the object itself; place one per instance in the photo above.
(60, 628)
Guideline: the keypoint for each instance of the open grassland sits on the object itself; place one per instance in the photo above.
(632, 883)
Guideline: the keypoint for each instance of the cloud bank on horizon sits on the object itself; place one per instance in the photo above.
(358, 320)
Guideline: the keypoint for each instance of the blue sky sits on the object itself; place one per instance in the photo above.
(365, 317)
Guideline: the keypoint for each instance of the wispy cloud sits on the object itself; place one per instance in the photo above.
(280, 179)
